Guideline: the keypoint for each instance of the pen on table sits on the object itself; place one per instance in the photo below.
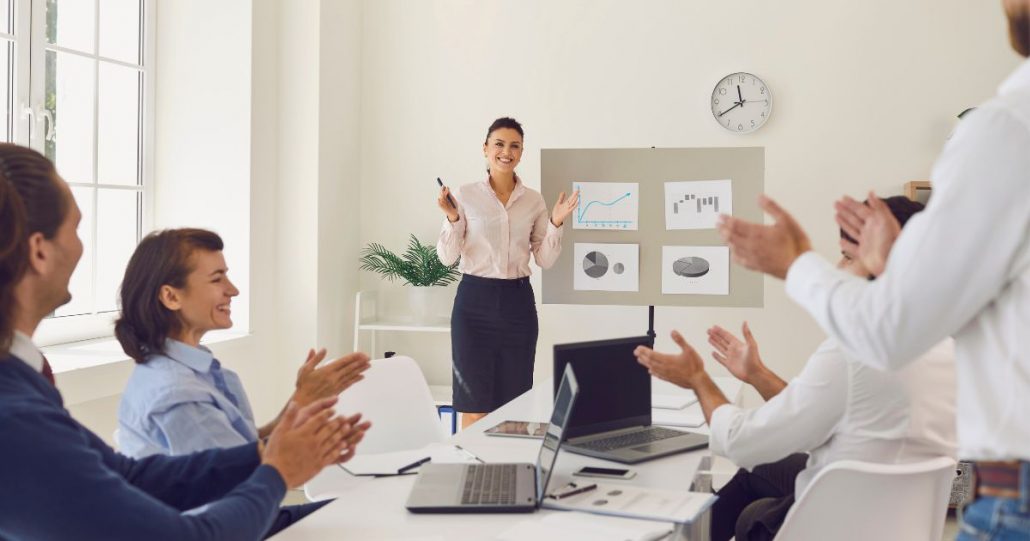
(580, 490)
(469, 453)
(413, 465)
(449, 198)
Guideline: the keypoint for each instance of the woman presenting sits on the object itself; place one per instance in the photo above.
(494, 225)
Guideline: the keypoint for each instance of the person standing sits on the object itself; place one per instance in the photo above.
(493, 226)
(961, 268)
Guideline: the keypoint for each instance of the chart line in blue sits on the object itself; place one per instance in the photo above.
(580, 213)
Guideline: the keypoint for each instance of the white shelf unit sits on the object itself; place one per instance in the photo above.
(367, 319)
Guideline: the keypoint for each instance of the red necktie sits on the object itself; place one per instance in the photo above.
(48, 373)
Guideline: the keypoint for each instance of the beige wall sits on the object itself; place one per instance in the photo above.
(865, 94)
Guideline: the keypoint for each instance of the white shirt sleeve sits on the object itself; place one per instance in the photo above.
(452, 238)
(800, 418)
(950, 261)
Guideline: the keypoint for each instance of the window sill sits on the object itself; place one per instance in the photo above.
(94, 369)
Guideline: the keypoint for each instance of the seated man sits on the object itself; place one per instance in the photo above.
(60, 480)
(836, 409)
(179, 398)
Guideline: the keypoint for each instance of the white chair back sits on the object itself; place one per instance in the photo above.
(852, 500)
(395, 397)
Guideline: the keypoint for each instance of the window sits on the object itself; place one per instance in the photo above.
(79, 89)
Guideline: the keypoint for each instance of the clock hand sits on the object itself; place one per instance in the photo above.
(739, 96)
(738, 104)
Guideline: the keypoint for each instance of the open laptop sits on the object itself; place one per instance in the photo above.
(613, 416)
(496, 488)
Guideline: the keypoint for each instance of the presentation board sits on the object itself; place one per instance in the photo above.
(643, 233)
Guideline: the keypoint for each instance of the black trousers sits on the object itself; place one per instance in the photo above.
(494, 331)
(753, 504)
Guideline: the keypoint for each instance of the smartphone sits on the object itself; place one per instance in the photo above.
(608, 473)
(518, 429)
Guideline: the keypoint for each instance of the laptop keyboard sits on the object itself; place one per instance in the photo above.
(631, 439)
(490, 484)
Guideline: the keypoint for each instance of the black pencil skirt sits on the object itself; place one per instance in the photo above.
(493, 342)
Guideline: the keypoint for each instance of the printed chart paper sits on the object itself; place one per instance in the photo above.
(695, 270)
(607, 205)
(697, 204)
(606, 267)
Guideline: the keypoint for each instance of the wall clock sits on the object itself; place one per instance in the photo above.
(741, 102)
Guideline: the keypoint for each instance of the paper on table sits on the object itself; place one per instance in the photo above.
(565, 526)
(384, 463)
(390, 463)
(637, 502)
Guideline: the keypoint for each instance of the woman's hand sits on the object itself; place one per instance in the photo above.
(740, 358)
(683, 369)
(445, 204)
(563, 208)
(314, 383)
(873, 226)
(307, 440)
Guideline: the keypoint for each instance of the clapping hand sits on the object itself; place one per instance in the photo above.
(314, 382)
(308, 439)
(873, 226)
(739, 357)
(771, 249)
(563, 208)
(681, 369)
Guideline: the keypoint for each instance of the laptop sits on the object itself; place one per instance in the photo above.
(500, 487)
(613, 417)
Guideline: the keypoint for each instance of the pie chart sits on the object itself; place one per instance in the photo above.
(595, 264)
(690, 267)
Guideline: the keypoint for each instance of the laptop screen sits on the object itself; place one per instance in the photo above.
(568, 390)
(616, 389)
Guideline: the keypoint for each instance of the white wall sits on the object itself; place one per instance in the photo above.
(865, 94)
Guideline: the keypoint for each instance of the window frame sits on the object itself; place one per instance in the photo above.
(30, 129)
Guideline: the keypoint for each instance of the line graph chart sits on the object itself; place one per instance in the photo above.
(607, 205)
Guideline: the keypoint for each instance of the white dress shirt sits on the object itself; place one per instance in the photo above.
(494, 240)
(23, 348)
(838, 409)
(960, 268)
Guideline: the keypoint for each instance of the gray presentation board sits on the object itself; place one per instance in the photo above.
(651, 168)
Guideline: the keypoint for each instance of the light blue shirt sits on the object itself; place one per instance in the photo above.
(183, 401)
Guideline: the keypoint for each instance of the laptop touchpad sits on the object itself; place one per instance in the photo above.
(647, 448)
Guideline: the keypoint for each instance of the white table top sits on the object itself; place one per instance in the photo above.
(373, 508)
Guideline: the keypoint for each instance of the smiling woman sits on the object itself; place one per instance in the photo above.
(179, 399)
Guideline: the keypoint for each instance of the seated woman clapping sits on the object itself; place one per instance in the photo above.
(179, 398)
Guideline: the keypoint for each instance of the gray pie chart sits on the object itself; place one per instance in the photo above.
(595, 264)
(691, 267)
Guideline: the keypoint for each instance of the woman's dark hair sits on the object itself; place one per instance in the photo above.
(162, 258)
(901, 207)
(504, 122)
(31, 201)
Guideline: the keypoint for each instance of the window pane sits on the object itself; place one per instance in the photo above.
(69, 99)
(81, 286)
(120, 30)
(118, 129)
(116, 239)
(5, 96)
(70, 24)
(5, 16)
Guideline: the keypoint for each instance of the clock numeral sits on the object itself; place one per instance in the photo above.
(740, 127)
(727, 122)
(763, 114)
(752, 123)
(763, 90)
(742, 78)
(717, 101)
(722, 91)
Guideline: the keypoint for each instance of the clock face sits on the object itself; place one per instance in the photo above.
(741, 103)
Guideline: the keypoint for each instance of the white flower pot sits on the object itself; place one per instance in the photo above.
(419, 302)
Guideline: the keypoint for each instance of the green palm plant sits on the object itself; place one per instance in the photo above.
(417, 266)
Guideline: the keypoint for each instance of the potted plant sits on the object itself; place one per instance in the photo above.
(418, 266)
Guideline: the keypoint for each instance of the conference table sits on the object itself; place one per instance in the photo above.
(368, 508)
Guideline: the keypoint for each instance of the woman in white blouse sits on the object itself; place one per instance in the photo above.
(493, 226)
